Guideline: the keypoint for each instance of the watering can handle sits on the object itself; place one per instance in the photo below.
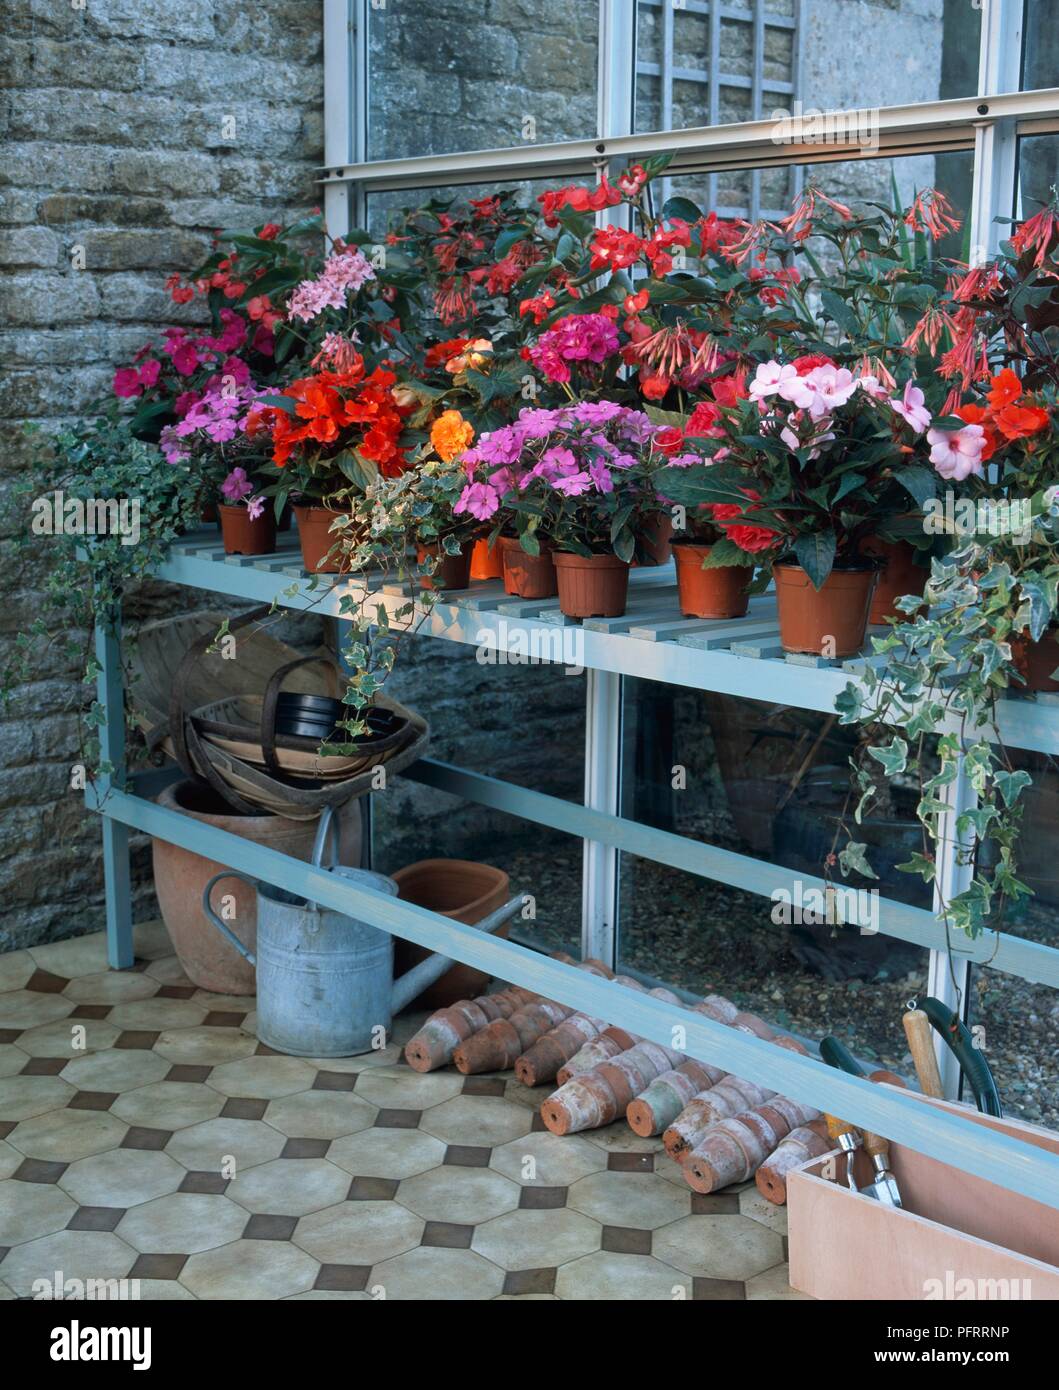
(222, 926)
(327, 822)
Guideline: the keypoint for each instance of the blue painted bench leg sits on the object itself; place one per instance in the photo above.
(117, 878)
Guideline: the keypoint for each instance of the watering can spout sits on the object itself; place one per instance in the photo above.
(413, 982)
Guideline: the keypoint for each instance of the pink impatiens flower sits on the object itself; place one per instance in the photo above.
(255, 507)
(911, 407)
(479, 499)
(127, 382)
(236, 486)
(957, 453)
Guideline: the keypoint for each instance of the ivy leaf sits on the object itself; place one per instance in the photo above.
(920, 864)
(854, 858)
(893, 758)
(1010, 785)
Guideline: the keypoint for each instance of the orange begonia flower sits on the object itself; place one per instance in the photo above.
(451, 434)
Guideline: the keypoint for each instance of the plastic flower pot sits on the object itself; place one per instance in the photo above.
(314, 533)
(455, 888)
(830, 621)
(1035, 661)
(899, 574)
(591, 586)
(656, 539)
(486, 562)
(528, 576)
(208, 514)
(709, 593)
(453, 571)
(246, 535)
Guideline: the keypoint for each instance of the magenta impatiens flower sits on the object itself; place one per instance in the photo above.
(480, 500)
(236, 486)
(127, 382)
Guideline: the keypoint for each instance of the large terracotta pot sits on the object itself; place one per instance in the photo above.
(709, 593)
(591, 586)
(1035, 661)
(453, 571)
(899, 574)
(245, 535)
(486, 561)
(455, 888)
(528, 576)
(180, 877)
(314, 533)
(830, 621)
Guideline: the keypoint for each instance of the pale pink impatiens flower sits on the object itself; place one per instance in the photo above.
(771, 377)
(830, 387)
(911, 408)
(480, 499)
(956, 454)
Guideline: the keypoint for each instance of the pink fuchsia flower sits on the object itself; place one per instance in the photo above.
(127, 382)
(236, 486)
(956, 454)
(911, 407)
(480, 500)
(255, 507)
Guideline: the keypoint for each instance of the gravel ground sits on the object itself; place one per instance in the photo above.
(704, 937)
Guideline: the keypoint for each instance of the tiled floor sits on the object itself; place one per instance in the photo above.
(146, 1133)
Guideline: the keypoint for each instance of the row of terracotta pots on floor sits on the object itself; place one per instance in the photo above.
(830, 621)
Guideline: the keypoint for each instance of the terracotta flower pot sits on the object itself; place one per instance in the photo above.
(314, 533)
(1035, 661)
(709, 593)
(591, 586)
(528, 576)
(455, 888)
(453, 571)
(900, 574)
(656, 539)
(180, 877)
(486, 561)
(829, 621)
(208, 513)
(244, 535)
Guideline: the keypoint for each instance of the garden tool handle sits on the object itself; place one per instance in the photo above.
(836, 1128)
(875, 1146)
(223, 927)
(957, 1037)
(921, 1045)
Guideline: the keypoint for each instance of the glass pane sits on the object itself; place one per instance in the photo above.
(1038, 172)
(770, 782)
(1040, 52)
(384, 207)
(449, 75)
(702, 63)
(1014, 1024)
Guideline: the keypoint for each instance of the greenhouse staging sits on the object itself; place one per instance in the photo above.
(530, 681)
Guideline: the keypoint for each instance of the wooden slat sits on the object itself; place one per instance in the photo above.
(723, 633)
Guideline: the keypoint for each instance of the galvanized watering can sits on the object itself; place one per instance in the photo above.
(325, 981)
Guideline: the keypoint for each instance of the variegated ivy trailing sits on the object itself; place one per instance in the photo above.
(934, 701)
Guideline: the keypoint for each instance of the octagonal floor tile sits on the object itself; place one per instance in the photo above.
(111, 987)
(151, 940)
(320, 1114)
(536, 1239)
(15, 969)
(250, 1269)
(758, 1208)
(263, 1078)
(210, 1047)
(182, 1223)
(542, 1159)
(619, 1139)
(31, 1209)
(80, 955)
(168, 1105)
(22, 1097)
(463, 1195)
(167, 970)
(64, 1136)
(774, 1285)
(479, 1121)
(222, 1142)
(433, 1274)
(718, 1247)
(605, 1275)
(407, 1089)
(10, 1159)
(290, 1186)
(643, 1200)
(164, 1291)
(68, 1037)
(122, 1178)
(116, 1069)
(358, 1233)
(387, 1153)
(12, 1059)
(78, 1254)
(26, 1008)
(225, 1003)
(157, 1014)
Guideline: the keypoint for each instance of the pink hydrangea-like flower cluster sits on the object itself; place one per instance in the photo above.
(575, 338)
(220, 414)
(573, 450)
(346, 271)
